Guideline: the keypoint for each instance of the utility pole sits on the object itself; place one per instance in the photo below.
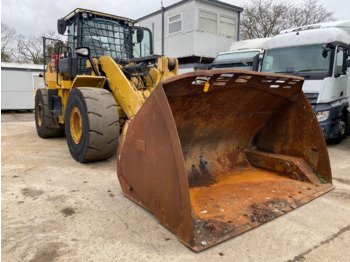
(162, 10)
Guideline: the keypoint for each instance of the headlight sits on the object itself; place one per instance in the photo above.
(322, 116)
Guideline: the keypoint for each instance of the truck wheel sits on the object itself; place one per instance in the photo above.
(92, 124)
(341, 132)
(346, 115)
(43, 118)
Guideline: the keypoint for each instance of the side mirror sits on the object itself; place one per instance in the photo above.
(256, 62)
(325, 53)
(139, 35)
(61, 26)
(325, 50)
(83, 51)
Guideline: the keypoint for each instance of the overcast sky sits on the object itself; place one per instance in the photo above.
(33, 17)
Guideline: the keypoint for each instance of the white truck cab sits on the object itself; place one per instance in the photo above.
(319, 53)
(242, 55)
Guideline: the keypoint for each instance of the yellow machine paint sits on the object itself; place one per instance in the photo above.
(126, 95)
(96, 81)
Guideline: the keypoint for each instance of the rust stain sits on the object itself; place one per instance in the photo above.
(212, 165)
(236, 194)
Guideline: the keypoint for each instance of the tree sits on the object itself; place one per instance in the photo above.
(29, 49)
(22, 48)
(7, 39)
(306, 13)
(265, 18)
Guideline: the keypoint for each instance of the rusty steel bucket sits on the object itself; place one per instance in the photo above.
(213, 154)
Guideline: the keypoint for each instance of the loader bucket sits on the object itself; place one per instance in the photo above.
(213, 154)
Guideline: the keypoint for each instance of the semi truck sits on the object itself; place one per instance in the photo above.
(242, 55)
(320, 54)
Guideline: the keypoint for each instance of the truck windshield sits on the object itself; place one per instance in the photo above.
(237, 55)
(236, 60)
(299, 60)
(107, 37)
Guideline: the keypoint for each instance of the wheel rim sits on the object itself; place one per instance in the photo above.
(39, 114)
(76, 125)
(341, 128)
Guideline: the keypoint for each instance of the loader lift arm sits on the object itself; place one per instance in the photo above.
(105, 52)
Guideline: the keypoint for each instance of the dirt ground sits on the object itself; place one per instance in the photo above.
(55, 209)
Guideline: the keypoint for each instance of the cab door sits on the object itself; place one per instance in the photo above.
(340, 74)
(142, 42)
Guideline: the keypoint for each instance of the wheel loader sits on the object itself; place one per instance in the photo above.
(211, 154)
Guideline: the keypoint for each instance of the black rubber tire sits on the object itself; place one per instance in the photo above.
(100, 124)
(340, 135)
(346, 115)
(43, 118)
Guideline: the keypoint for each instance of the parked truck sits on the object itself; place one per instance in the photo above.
(242, 55)
(320, 54)
(211, 154)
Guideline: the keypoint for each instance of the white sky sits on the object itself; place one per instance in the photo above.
(33, 17)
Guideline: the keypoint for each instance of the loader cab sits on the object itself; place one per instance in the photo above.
(104, 35)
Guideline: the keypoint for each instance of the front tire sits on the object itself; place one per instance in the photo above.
(341, 131)
(92, 124)
(346, 116)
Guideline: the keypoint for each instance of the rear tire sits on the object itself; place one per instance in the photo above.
(43, 118)
(92, 124)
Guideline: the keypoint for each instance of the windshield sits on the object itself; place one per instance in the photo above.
(237, 60)
(237, 65)
(107, 37)
(297, 60)
(238, 55)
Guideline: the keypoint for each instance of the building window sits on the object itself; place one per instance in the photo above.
(175, 24)
(207, 22)
(227, 25)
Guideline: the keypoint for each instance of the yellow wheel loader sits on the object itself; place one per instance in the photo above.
(96, 81)
(211, 154)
